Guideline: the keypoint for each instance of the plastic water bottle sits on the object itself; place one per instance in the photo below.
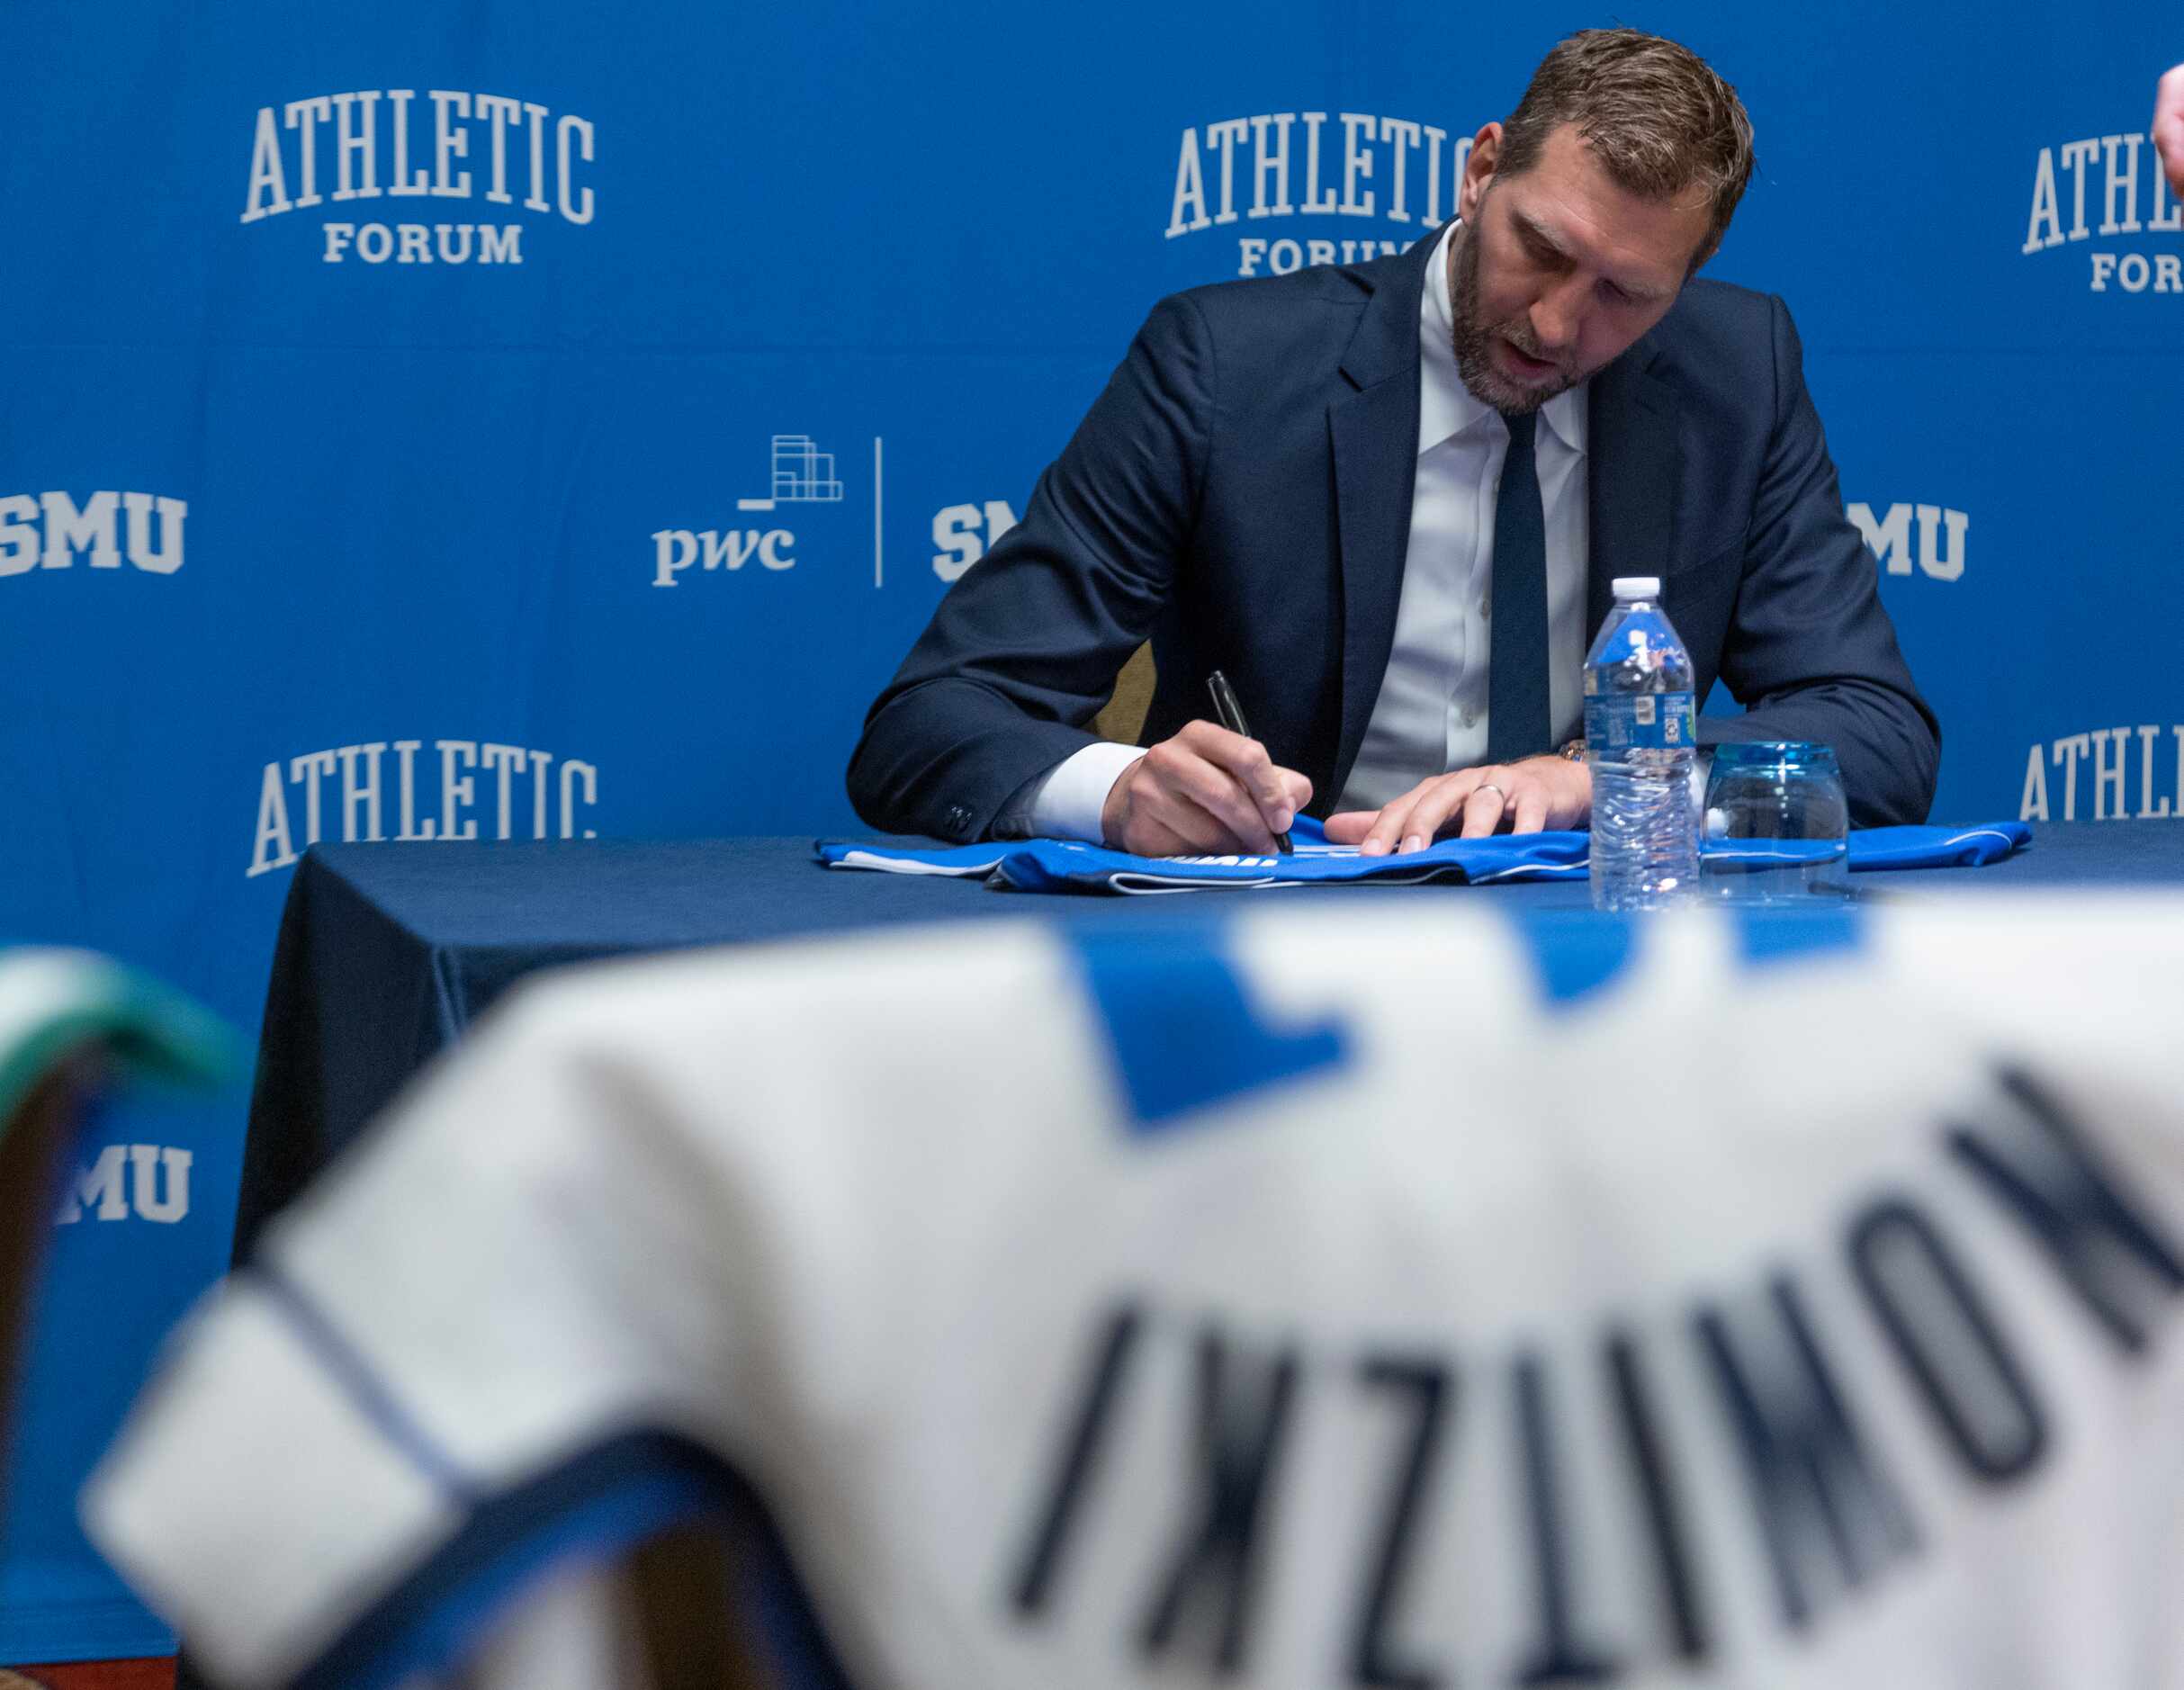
(1641, 743)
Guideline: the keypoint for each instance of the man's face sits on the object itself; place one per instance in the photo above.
(1557, 271)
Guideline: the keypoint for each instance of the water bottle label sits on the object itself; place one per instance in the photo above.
(1651, 721)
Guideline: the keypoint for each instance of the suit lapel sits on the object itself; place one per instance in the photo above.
(1636, 464)
(1372, 432)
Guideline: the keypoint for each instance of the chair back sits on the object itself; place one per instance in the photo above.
(72, 1027)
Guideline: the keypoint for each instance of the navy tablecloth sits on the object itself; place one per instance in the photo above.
(387, 952)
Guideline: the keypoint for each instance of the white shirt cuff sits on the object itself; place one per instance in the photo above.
(1066, 802)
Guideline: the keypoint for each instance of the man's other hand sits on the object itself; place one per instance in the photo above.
(1540, 791)
(1206, 792)
(2169, 127)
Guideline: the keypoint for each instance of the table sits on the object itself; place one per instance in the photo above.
(387, 952)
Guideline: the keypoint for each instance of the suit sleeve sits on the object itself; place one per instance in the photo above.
(1811, 653)
(1023, 651)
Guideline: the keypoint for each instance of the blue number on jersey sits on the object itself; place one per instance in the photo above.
(1183, 1033)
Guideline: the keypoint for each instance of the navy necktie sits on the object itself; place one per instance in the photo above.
(1518, 721)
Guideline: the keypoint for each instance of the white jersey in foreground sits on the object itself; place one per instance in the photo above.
(1298, 1298)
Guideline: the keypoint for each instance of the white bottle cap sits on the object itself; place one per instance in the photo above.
(1638, 587)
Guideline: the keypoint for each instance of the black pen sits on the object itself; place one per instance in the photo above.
(1231, 713)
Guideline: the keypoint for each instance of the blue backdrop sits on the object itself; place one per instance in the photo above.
(557, 421)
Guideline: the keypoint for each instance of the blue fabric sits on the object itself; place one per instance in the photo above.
(1052, 865)
(1046, 865)
(1936, 847)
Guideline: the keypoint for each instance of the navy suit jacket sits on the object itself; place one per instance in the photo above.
(1241, 494)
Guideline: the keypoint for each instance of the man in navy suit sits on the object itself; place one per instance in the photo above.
(1388, 500)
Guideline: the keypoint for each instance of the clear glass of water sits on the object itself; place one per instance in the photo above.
(1776, 825)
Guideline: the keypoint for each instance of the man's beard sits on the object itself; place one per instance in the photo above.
(1472, 338)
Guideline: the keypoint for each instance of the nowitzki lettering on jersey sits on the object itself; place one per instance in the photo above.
(128, 1182)
(801, 481)
(351, 793)
(1658, 1484)
(2132, 773)
(1379, 184)
(380, 144)
(2108, 191)
(51, 530)
(1934, 535)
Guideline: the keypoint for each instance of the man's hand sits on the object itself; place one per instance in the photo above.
(1540, 791)
(1206, 792)
(2169, 127)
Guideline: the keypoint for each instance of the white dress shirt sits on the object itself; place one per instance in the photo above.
(1431, 716)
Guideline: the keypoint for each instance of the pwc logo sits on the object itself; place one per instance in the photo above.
(804, 485)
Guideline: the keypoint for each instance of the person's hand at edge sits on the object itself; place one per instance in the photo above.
(1205, 792)
(1524, 797)
(2169, 127)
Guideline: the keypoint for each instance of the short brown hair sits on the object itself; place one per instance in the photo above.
(1655, 114)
